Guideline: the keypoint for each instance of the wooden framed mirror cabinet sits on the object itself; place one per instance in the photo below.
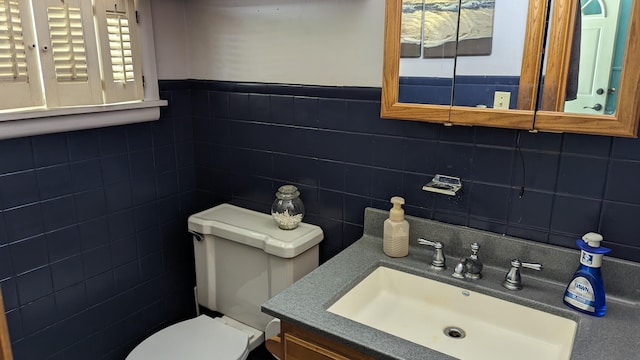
(542, 49)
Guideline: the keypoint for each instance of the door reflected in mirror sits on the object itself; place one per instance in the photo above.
(593, 59)
(601, 37)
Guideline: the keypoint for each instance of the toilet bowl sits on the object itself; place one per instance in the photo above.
(242, 259)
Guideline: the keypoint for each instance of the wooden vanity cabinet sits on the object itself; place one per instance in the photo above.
(296, 343)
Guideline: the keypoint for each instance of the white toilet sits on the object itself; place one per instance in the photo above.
(242, 259)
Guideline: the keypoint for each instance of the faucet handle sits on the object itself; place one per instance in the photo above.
(532, 266)
(435, 244)
(512, 280)
(438, 262)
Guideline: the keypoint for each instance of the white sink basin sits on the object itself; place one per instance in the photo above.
(418, 309)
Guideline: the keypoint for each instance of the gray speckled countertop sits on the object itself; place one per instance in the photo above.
(614, 336)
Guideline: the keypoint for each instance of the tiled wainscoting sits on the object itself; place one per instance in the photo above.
(469, 90)
(94, 253)
(332, 143)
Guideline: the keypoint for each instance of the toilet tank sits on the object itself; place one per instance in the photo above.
(243, 259)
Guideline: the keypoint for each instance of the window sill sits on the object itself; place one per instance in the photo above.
(44, 121)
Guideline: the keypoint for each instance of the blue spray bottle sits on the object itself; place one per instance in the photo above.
(585, 292)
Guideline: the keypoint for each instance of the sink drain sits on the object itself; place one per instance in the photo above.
(454, 332)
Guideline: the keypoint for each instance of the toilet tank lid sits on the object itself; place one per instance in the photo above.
(255, 229)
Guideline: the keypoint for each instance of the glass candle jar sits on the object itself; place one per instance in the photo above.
(287, 210)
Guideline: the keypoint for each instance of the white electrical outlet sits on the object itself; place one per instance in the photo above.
(501, 99)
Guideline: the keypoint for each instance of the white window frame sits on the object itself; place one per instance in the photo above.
(26, 122)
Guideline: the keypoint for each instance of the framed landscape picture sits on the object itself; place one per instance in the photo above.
(437, 24)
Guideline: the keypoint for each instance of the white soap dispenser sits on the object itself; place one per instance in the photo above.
(396, 230)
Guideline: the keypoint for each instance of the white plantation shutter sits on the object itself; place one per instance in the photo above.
(68, 52)
(120, 50)
(120, 54)
(13, 59)
(19, 71)
(67, 43)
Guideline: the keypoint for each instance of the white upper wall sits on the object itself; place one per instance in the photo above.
(320, 42)
(169, 32)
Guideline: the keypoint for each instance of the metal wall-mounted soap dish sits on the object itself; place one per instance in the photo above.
(444, 184)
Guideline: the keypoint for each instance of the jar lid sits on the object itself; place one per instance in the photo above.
(286, 192)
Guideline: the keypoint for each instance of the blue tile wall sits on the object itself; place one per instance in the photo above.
(94, 253)
(332, 143)
(93, 249)
(468, 90)
(480, 90)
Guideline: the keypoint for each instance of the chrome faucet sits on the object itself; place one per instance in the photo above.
(512, 280)
(438, 262)
(469, 267)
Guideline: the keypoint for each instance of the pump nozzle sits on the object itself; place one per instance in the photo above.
(397, 212)
(592, 239)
